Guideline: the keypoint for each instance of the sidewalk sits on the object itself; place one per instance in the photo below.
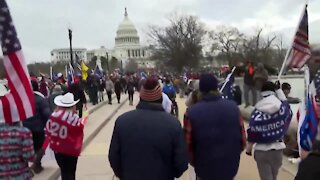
(99, 116)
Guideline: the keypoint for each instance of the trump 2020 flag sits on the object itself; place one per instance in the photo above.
(308, 128)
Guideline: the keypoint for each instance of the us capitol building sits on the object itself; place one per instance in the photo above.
(127, 47)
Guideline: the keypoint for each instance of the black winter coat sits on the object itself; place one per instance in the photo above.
(43, 112)
(309, 168)
(148, 144)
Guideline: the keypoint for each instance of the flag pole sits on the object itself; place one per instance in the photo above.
(227, 79)
(51, 73)
(290, 47)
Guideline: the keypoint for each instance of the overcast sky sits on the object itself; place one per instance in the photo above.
(42, 24)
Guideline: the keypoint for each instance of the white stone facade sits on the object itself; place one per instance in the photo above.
(63, 54)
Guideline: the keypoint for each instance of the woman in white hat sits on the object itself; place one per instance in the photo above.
(65, 131)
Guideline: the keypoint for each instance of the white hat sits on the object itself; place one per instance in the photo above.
(59, 75)
(66, 100)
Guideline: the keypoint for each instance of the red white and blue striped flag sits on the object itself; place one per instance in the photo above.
(308, 120)
(19, 103)
(300, 51)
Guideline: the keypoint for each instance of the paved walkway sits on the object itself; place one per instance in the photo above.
(93, 163)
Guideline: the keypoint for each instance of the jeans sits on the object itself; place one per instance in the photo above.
(67, 165)
(246, 89)
(268, 163)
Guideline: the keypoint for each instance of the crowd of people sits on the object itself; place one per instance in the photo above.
(59, 108)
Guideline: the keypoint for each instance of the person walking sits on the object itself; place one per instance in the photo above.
(309, 166)
(44, 87)
(147, 143)
(214, 133)
(268, 124)
(118, 89)
(102, 86)
(130, 89)
(109, 89)
(65, 132)
(56, 91)
(37, 123)
(260, 76)
(78, 94)
(249, 85)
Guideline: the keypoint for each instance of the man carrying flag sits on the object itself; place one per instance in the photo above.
(308, 129)
(15, 141)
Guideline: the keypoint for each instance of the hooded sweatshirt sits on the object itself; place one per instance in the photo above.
(271, 104)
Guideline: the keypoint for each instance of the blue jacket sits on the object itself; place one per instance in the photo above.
(43, 112)
(148, 144)
(216, 138)
(169, 90)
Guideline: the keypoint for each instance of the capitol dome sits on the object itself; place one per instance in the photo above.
(127, 34)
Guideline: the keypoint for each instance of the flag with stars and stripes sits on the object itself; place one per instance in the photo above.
(308, 128)
(317, 82)
(300, 51)
(70, 74)
(77, 64)
(19, 104)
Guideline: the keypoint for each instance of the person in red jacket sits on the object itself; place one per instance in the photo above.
(65, 131)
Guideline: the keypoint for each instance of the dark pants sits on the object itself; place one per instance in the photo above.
(118, 93)
(67, 165)
(80, 112)
(38, 139)
(95, 97)
(246, 89)
(130, 96)
(109, 93)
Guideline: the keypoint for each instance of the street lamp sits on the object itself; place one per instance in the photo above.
(70, 41)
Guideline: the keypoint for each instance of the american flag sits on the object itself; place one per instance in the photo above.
(309, 121)
(317, 82)
(78, 65)
(70, 74)
(300, 51)
(19, 103)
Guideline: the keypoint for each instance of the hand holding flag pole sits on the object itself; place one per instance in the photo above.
(227, 79)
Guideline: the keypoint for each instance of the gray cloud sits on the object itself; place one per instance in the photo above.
(42, 24)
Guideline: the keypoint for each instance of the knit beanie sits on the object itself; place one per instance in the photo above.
(151, 90)
(208, 82)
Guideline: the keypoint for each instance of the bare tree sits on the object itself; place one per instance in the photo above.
(258, 48)
(180, 43)
(227, 40)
